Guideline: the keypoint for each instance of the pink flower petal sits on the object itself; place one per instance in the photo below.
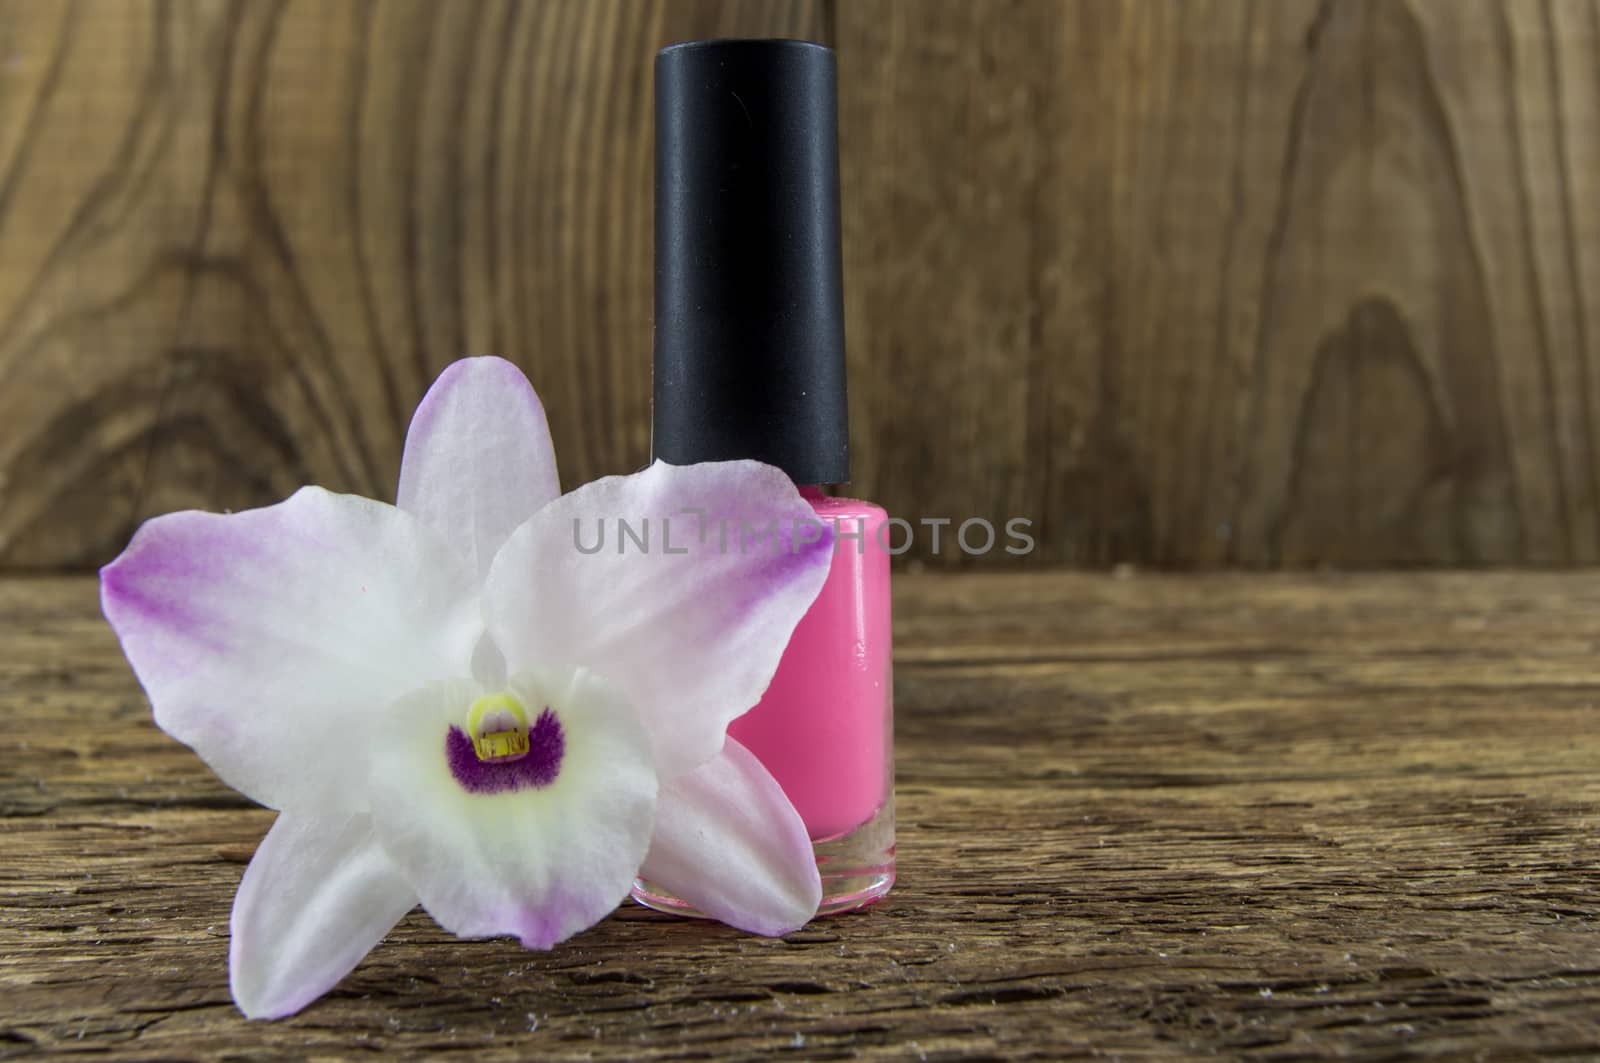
(729, 842)
(272, 641)
(539, 848)
(692, 627)
(478, 458)
(319, 894)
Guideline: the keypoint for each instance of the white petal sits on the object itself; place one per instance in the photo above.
(319, 894)
(729, 842)
(539, 859)
(271, 640)
(691, 628)
(478, 458)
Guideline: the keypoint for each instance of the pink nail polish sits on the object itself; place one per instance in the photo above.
(825, 726)
(750, 363)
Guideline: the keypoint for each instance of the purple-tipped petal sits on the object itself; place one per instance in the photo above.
(729, 842)
(539, 848)
(319, 894)
(478, 458)
(272, 641)
(692, 625)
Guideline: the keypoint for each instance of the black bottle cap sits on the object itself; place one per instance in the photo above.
(749, 346)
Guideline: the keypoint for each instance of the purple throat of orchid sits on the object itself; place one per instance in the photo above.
(498, 752)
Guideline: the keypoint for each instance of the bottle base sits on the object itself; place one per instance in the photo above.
(857, 868)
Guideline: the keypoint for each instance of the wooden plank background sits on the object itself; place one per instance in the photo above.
(1247, 282)
(1277, 817)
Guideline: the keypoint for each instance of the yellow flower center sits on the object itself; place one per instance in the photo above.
(499, 728)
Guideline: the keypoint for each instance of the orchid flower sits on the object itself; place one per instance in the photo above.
(449, 701)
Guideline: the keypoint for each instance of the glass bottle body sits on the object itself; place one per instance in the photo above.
(825, 726)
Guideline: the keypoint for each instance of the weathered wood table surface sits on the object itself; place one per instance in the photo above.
(1283, 816)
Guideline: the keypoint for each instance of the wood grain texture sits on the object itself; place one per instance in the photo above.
(1285, 816)
(1227, 281)
(238, 240)
(1220, 282)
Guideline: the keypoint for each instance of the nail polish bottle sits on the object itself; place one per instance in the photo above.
(750, 363)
